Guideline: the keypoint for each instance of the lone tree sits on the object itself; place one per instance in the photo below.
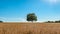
(31, 17)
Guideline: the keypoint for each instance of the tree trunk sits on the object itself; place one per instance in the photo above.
(32, 21)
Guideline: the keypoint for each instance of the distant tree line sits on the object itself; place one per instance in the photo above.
(53, 21)
(1, 21)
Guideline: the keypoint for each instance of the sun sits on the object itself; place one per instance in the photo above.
(53, 1)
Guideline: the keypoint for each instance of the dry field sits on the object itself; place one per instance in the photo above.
(29, 28)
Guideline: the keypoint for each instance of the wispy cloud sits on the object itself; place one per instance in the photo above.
(12, 19)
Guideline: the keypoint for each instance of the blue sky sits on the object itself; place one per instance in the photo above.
(16, 10)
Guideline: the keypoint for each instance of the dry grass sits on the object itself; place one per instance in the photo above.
(29, 28)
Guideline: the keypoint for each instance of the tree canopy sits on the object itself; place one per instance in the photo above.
(31, 17)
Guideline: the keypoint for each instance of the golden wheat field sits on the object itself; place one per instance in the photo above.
(29, 28)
